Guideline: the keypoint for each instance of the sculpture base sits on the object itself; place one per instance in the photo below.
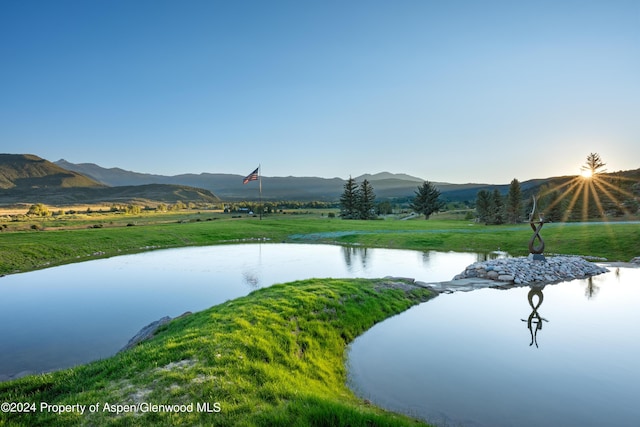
(537, 257)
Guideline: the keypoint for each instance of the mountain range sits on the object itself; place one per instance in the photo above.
(230, 187)
(26, 178)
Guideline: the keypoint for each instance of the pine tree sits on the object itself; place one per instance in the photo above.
(594, 164)
(484, 207)
(555, 208)
(498, 208)
(349, 200)
(427, 200)
(514, 202)
(365, 202)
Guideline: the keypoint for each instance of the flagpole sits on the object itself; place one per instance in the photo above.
(260, 185)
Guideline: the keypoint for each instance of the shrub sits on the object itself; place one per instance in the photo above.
(38, 210)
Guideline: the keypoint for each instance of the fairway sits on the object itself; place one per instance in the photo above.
(84, 237)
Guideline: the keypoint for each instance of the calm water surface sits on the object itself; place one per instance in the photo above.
(470, 359)
(68, 315)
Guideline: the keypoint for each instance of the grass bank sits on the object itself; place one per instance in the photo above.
(29, 250)
(272, 358)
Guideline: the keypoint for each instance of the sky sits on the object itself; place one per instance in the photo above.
(449, 91)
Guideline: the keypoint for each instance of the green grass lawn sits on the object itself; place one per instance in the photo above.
(28, 250)
(272, 358)
(275, 357)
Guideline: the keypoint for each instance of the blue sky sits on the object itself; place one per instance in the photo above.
(456, 91)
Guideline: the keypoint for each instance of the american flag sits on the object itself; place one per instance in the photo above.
(253, 176)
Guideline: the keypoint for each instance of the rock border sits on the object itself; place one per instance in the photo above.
(527, 271)
(505, 273)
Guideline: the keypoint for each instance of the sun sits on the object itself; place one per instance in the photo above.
(586, 173)
(592, 191)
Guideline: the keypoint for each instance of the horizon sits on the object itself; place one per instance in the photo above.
(343, 178)
(461, 92)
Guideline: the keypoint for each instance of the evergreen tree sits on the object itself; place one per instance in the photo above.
(557, 208)
(498, 208)
(485, 206)
(384, 208)
(550, 203)
(594, 164)
(427, 200)
(514, 202)
(349, 200)
(365, 201)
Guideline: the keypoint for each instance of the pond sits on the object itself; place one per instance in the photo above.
(562, 355)
(72, 314)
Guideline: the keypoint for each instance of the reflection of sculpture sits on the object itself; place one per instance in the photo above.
(534, 317)
(538, 249)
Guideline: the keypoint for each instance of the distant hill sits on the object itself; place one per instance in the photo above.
(389, 176)
(26, 171)
(25, 178)
(386, 185)
(229, 186)
(149, 194)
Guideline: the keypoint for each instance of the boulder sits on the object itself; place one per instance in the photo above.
(146, 332)
(149, 331)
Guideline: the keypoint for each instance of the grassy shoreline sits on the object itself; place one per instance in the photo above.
(275, 357)
(29, 250)
(272, 358)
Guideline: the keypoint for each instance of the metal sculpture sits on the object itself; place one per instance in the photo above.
(536, 226)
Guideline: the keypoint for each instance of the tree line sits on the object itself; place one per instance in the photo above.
(493, 208)
(358, 201)
(591, 195)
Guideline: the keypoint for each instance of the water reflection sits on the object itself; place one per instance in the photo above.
(251, 270)
(66, 315)
(534, 317)
(492, 255)
(251, 279)
(359, 257)
(351, 254)
(591, 289)
(435, 363)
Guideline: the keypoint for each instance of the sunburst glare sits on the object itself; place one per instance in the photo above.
(591, 194)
